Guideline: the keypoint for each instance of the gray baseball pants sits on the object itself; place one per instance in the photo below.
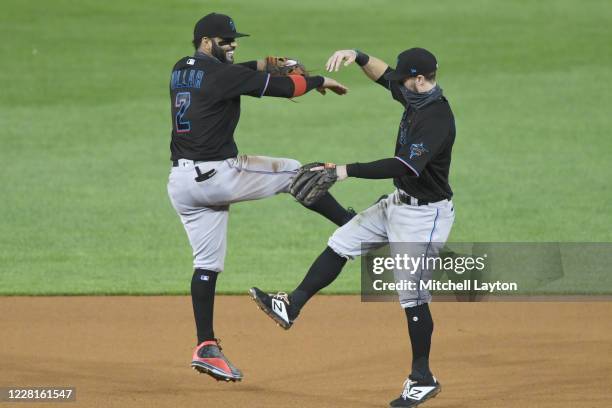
(417, 231)
(203, 207)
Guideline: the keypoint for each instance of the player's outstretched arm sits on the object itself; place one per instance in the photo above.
(280, 68)
(292, 86)
(373, 67)
(313, 180)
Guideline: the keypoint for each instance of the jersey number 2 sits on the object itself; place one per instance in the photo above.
(182, 101)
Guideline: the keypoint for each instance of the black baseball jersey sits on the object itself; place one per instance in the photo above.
(205, 101)
(424, 143)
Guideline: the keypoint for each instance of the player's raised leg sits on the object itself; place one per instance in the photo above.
(347, 242)
(257, 177)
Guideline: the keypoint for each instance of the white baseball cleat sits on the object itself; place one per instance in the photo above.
(416, 392)
(276, 306)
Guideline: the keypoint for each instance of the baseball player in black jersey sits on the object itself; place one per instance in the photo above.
(208, 174)
(419, 211)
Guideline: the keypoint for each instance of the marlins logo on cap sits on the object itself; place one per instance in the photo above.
(216, 25)
(411, 63)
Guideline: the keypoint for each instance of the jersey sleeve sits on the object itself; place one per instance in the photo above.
(382, 81)
(236, 80)
(392, 86)
(424, 143)
(252, 65)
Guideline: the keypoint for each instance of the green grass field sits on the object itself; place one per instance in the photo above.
(85, 124)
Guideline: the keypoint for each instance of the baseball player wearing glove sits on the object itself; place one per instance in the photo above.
(208, 174)
(419, 211)
(312, 182)
(280, 66)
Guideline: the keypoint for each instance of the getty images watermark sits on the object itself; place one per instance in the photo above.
(486, 271)
(414, 268)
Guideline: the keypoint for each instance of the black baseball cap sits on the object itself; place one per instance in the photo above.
(216, 25)
(413, 62)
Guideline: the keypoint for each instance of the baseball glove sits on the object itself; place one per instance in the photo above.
(282, 66)
(309, 185)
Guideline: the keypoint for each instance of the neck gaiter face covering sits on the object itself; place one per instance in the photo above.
(419, 100)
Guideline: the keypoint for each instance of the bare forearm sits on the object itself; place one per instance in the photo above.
(374, 68)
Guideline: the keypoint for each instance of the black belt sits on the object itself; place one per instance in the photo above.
(201, 176)
(175, 163)
(406, 199)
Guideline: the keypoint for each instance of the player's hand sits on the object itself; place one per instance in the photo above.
(335, 61)
(340, 169)
(333, 85)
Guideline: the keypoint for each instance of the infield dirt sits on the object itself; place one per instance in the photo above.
(135, 352)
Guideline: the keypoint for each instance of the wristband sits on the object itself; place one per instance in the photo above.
(299, 85)
(361, 58)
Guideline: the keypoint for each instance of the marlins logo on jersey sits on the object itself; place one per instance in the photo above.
(417, 149)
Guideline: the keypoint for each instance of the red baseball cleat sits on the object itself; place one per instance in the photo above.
(208, 359)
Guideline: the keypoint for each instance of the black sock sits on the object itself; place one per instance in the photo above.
(331, 209)
(203, 285)
(323, 271)
(420, 327)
